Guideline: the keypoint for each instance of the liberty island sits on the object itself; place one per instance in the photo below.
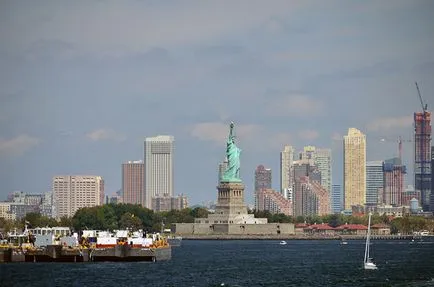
(231, 216)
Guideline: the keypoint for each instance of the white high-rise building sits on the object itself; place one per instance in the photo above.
(72, 192)
(158, 168)
(286, 167)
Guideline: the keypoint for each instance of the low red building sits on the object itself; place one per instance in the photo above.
(352, 229)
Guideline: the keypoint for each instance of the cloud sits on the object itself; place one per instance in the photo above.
(17, 146)
(308, 135)
(217, 132)
(279, 140)
(105, 134)
(135, 25)
(390, 123)
(296, 105)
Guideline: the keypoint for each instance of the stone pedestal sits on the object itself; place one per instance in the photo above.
(230, 199)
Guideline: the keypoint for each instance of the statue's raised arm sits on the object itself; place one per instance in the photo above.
(232, 172)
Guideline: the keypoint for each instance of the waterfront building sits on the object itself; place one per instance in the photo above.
(374, 182)
(286, 165)
(158, 168)
(133, 179)
(72, 192)
(422, 157)
(354, 168)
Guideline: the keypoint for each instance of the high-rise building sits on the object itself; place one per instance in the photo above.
(262, 181)
(72, 192)
(394, 173)
(323, 160)
(222, 168)
(158, 168)
(273, 201)
(422, 157)
(262, 178)
(354, 168)
(374, 182)
(432, 179)
(133, 180)
(337, 199)
(286, 165)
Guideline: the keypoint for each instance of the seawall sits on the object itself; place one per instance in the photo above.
(298, 237)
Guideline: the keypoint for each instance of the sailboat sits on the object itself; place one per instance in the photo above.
(367, 262)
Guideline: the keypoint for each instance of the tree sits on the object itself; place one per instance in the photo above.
(130, 221)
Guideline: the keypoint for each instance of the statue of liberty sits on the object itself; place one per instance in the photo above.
(232, 172)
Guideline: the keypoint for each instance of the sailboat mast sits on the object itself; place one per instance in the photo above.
(367, 238)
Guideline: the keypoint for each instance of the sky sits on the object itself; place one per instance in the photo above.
(82, 83)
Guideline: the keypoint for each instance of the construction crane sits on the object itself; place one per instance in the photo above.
(399, 141)
(424, 106)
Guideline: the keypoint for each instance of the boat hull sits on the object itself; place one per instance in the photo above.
(370, 266)
(128, 253)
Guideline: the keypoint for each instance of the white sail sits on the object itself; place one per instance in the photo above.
(367, 262)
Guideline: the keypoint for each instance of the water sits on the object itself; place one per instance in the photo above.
(245, 263)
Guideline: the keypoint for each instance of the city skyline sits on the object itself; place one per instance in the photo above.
(76, 99)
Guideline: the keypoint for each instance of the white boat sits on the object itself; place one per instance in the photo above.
(283, 242)
(367, 262)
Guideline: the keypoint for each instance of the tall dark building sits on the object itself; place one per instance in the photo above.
(422, 157)
(262, 178)
(432, 179)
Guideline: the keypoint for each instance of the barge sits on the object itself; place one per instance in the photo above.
(93, 246)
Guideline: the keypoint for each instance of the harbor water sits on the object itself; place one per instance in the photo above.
(246, 263)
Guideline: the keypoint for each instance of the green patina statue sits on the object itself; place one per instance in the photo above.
(232, 172)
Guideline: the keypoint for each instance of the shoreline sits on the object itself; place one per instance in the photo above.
(300, 237)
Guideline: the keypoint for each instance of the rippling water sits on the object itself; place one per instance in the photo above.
(245, 263)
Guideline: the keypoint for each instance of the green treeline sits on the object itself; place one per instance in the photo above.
(119, 216)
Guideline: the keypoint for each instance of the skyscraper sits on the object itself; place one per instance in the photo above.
(374, 182)
(262, 178)
(222, 168)
(286, 165)
(133, 173)
(158, 168)
(262, 181)
(323, 160)
(337, 199)
(422, 157)
(394, 173)
(432, 179)
(354, 168)
(72, 192)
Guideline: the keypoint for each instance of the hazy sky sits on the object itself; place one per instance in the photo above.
(83, 82)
